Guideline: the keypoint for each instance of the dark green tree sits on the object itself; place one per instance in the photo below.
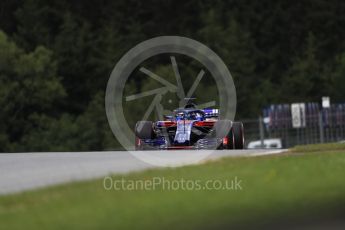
(235, 46)
(30, 87)
(307, 79)
(338, 78)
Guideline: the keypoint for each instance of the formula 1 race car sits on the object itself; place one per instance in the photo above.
(190, 128)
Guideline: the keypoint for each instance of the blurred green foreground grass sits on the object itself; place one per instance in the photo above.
(275, 189)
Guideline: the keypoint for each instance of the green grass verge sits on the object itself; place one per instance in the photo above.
(319, 147)
(274, 189)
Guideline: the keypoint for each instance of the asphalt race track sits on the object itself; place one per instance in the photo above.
(25, 171)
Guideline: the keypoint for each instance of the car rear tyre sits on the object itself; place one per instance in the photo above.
(238, 132)
(144, 130)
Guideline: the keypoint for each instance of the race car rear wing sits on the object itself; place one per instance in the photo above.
(211, 113)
